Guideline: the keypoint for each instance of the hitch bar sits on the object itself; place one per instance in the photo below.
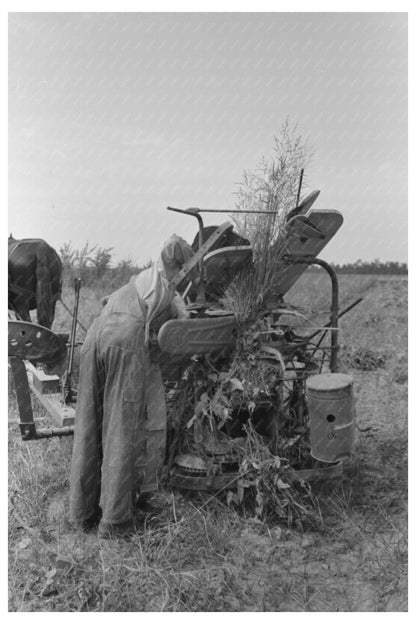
(27, 422)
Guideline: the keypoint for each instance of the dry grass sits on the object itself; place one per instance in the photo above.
(200, 554)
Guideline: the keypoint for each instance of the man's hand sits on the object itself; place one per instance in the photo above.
(179, 308)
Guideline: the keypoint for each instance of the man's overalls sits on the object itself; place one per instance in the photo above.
(120, 432)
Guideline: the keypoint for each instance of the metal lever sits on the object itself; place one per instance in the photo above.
(198, 255)
(194, 212)
(67, 389)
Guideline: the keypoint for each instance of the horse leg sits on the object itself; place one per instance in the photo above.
(22, 312)
(44, 299)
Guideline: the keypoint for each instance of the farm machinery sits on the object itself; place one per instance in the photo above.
(225, 382)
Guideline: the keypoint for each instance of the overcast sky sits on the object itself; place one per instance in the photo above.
(113, 117)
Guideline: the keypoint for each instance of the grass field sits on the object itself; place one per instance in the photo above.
(200, 555)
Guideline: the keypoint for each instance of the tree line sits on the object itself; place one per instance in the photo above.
(373, 267)
(92, 263)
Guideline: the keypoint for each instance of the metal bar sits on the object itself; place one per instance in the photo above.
(23, 395)
(26, 423)
(53, 432)
(69, 311)
(272, 212)
(67, 390)
(334, 302)
(299, 187)
(200, 297)
(77, 286)
(199, 254)
(327, 326)
(334, 312)
(193, 211)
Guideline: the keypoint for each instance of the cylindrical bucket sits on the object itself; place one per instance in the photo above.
(331, 408)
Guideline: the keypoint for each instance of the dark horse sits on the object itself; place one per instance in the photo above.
(35, 279)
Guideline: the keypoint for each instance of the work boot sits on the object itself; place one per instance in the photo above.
(108, 530)
(146, 505)
(90, 523)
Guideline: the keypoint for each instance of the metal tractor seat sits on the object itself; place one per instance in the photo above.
(305, 238)
(220, 266)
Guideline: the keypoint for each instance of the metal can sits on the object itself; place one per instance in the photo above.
(331, 408)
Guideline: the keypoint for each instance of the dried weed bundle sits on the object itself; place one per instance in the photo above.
(274, 187)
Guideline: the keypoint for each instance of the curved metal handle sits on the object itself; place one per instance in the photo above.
(194, 212)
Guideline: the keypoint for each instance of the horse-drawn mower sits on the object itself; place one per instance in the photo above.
(227, 382)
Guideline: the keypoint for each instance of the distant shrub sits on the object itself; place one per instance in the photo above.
(92, 266)
(375, 267)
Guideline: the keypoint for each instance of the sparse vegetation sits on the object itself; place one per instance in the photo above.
(376, 267)
(202, 554)
(93, 266)
(273, 187)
